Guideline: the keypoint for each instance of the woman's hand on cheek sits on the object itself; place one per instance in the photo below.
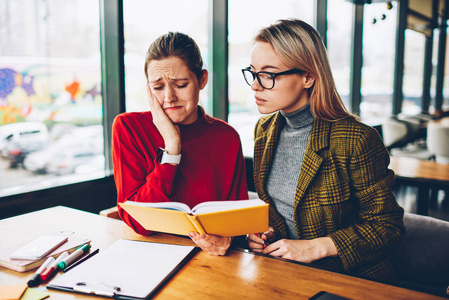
(212, 244)
(170, 132)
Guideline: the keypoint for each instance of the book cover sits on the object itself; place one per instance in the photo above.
(22, 265)
(223, 218)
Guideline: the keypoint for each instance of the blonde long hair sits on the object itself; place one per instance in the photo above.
(299, 46)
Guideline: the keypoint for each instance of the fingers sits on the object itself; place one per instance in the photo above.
(212, 244)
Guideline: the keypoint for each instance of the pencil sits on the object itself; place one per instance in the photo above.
(81, 260)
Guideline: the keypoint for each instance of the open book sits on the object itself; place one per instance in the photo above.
(224, 218)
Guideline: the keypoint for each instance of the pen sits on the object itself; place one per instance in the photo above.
(53, 266)
(75, 255)
(36, 279)
(264, 246)
(81, 260)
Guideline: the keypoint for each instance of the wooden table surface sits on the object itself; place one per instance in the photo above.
(236, 275)
(419, 170)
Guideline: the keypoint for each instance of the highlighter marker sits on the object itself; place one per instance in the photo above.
(74, 256)
(53, 267)
(36, 279)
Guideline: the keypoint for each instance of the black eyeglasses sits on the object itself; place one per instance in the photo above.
(265, 79)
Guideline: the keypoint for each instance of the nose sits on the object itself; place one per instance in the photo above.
(170, 95)
(255, 86)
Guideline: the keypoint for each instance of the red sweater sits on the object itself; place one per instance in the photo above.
(212, 165)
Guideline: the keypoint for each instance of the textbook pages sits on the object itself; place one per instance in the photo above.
(224, 218)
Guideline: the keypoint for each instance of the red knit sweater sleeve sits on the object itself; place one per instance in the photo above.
(137, 176)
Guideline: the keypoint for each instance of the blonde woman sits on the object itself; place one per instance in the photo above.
(324, 174)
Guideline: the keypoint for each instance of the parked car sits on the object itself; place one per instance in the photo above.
(96, 164)
(65, 162)
(27, 135)
(88, 137)
(18, 151)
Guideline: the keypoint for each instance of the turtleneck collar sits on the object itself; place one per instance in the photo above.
(197, 128)
(301, 118)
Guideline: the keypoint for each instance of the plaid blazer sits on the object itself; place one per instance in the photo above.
(344, 191)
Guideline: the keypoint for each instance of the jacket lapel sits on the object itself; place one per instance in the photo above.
(266, 144)
(319, 139)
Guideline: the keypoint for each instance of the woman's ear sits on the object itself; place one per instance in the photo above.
(204, 78)
(309, 80)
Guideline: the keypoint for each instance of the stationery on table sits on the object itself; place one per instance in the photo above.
(224, 218)
(36, 279)
(74, 256)
(53, 267)
(125, 270)
(81, 260)
(23, 265)
(21, 292)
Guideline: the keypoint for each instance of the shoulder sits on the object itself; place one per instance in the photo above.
(133, 121)
(132, 118)
(351, 128)
(353, 136)
(217, 126)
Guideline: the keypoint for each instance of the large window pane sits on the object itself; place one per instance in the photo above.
(413, 72)
(144, 21)
(50, 93)
(243, 26)
(339, 41)
(379, 42)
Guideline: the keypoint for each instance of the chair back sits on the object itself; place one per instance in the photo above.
(422, 257)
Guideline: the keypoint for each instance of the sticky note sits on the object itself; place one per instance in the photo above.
(12, 292)
(34, 294)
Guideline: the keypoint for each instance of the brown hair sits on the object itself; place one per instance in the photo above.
(176, 44)
(299, 46)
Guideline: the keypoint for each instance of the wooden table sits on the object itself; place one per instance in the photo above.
(426, 175)
(236, 275)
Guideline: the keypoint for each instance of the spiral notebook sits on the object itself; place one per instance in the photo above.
(126, 270)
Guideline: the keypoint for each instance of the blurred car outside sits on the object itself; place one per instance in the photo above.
(24, 135)
(88, 139)
(65, 162)
(96, 164)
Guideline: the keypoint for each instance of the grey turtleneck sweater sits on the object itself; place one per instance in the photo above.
(287, 161)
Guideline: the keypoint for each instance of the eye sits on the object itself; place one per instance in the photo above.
(181, 86)
(266, 75)
(157, 88)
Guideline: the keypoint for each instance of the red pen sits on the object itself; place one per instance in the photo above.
(53, 267)
(264, 246)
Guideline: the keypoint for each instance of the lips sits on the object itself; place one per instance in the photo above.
(260, 101)
(171, 108)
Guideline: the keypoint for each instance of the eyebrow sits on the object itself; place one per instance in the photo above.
(266, 67)
(172, 79)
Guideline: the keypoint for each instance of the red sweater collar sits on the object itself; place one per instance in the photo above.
(197, 128)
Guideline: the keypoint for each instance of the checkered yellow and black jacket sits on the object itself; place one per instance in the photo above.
(344, 191)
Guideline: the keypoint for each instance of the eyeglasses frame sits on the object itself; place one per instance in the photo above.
(273, 75)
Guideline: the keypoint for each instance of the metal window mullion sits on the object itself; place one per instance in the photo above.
(112, 70)
(356, 60)
(218, 48)
(321, 19)
(399, 57)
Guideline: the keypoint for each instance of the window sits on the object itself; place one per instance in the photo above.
(50, 93)
(243, 26)
(144, 21)
(379, 42)
(339, 41)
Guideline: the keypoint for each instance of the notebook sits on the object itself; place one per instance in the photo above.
(126, 270)
(23, 265)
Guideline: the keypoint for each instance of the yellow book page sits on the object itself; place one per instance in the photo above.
(163, 220)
